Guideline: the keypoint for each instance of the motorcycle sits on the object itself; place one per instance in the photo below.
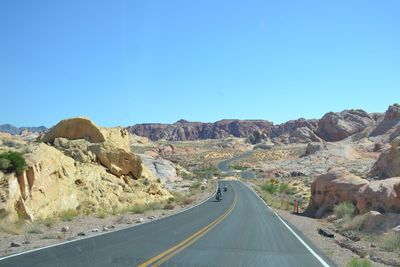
(218, 197)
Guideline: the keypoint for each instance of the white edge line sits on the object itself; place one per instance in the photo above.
(110, 232)
(324, 263)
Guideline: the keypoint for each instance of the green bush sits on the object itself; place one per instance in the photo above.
(345, 209)
(354, 262)
(12, 161)
(285, 188)
(270, 188)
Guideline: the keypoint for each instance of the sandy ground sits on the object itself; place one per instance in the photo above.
(89, 225)
(309, 227)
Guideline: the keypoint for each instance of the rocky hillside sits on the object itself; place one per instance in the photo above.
(77, 166)
(333, 126)
(378, 192)
(185, 130)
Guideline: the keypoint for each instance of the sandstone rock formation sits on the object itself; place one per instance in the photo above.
(337, 126)
(117, 160)
(161, 168)
(389, 128)
(303, 135)
(380, 222)
(88, 169)
(339, 186)
(333, 188)
(333, 126)
(84, 128)
(381, 195)
(75, 128)
(388, 164)
(185, 130)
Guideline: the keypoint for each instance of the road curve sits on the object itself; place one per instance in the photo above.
(239, 231)
(224, 166)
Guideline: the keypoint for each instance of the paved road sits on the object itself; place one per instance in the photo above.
(239, 231)
(224, 166)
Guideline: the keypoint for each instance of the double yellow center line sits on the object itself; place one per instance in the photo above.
(166, 255)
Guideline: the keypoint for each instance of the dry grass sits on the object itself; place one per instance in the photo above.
(35, 229)
(12, 228)
(181, 199)
(390, 242)
(353, 223)
(48, 222)
(101, 215)
(68, 215)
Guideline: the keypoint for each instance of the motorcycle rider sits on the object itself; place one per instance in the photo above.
(219, 193)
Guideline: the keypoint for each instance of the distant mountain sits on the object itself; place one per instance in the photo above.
(8, 128)
(333, 126)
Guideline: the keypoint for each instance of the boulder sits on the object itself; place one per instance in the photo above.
(76, 149)
(337, 126)
(118, 161)
(156, 189)
(334, 187)
(161, 169)
(84, 128)
(380, 222)
(313, 147)
(75, 128)
(381, 195)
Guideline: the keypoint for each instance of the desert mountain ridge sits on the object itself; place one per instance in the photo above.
(333, 126)
(11, 129)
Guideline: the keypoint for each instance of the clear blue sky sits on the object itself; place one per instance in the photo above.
(126, 62)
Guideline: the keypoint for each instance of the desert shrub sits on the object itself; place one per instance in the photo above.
(206, 172)
(181, 199)
(68, 215)
(51, 236)
(168, 207)
(101, 215)
(390, 242)
(345, 209)
(285, 188)
(154, 206)
(137, 209)
(48, 222)
(195, 185)
(34, 229)
(354, 262)
(270, 188)
(353, 223)
(12, 161)
(4, 164)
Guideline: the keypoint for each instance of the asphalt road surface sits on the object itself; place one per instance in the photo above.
(224, 166)
(239, 231)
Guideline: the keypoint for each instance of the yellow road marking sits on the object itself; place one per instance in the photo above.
(164, 256)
